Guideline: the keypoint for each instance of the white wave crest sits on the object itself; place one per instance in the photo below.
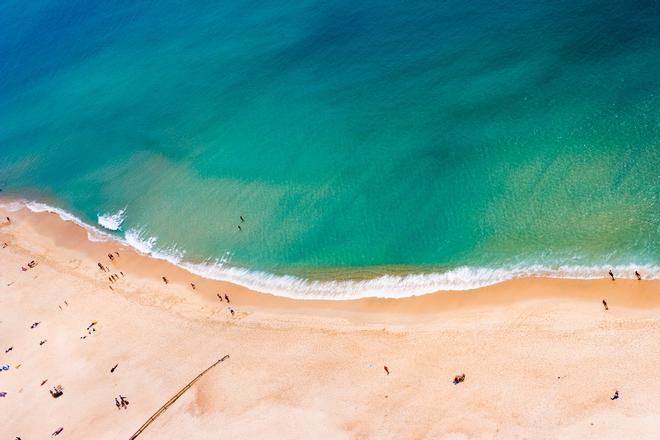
(114, 221)
(139, 240)
(93, 234)
(386, 286)
(395, 286)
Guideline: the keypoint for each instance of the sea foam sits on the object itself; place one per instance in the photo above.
(386, 286)
(114, 221)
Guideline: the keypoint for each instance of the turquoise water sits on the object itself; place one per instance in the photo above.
(357, 139)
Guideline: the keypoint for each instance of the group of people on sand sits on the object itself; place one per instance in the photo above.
(121, 402)
(219, 295)
(637, 275)
(611, 274)
(231, 310)
(31, 265)
(113, 277)
(58, 391)
(6, 223)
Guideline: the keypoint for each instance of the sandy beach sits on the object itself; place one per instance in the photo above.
(541, 357)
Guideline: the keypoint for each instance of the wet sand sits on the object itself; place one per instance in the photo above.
(541, 356)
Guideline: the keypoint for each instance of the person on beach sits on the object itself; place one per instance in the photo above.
(9, 349)
(116, 253)
(57, 432)
(639, 277)
(611, 274)
(112, 370)
(605, 305)
(193, 286)
(124, 402)
(387, 370)
(459, 378)
(34, 325)
(43, 342)
(111, 257)
(122, 273)
(615, 396)
(8, 220)
(117, 404)
(227, 298)
(165, 280)
(56, 391)
(220, 297)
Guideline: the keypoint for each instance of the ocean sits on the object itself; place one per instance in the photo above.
(375, 148)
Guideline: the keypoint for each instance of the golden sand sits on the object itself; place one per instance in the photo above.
(542, 357)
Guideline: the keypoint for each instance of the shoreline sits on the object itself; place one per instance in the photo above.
(388, 285)
(49, 227)
(542, 357)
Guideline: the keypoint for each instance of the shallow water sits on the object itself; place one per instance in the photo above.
(357, 140)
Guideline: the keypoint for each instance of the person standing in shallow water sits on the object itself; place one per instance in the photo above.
(611, 274)
(639, 277)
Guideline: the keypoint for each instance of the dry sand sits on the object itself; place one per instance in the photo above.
(541, 356)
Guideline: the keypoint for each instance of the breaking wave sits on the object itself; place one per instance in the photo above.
(386, 286)
(112, 221)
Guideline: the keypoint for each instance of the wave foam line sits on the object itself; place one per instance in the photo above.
(395, 286)
(93, 234)
(114, 221)
(386, 286)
